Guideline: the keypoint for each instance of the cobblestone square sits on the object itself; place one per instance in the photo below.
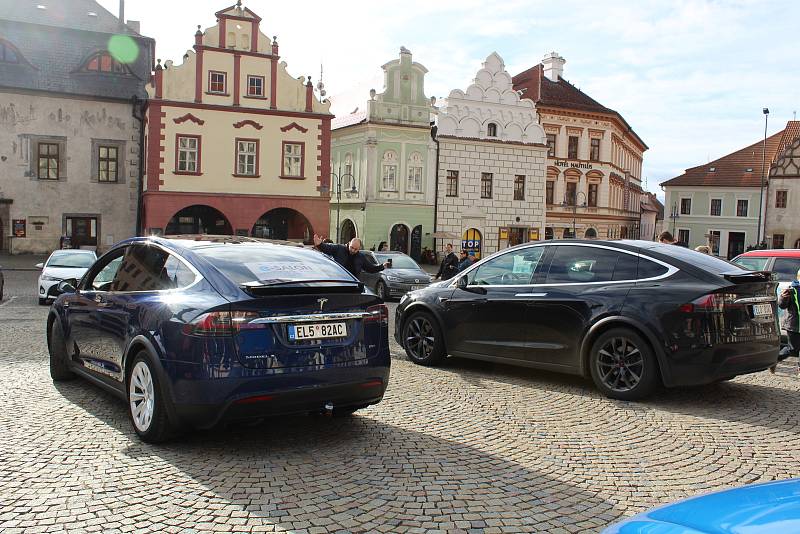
(469, 447)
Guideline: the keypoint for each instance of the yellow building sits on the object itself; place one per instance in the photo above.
(234, 144)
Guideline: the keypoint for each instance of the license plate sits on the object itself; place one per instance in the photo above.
(414, 288)
(317, 331)
(762, 310)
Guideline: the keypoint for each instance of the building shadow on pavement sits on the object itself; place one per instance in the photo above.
(356, 474)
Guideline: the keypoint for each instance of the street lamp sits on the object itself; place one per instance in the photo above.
(338, 178)
(763, 163)
(574, 205)
(674, 216)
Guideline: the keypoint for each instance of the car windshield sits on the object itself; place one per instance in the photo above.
(398, 262)
(751, 263)
(77, 260)
(271, 264)
(786, 268)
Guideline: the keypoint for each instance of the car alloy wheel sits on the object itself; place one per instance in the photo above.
(380, 290)
(620, 364)
(422, 340)
(142, 396)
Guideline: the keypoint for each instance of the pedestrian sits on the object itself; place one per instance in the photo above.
(383, 247)
(666, 238)
(704, 249)
(348, 256)
(463, 260)
(449, 266)
(789, 300)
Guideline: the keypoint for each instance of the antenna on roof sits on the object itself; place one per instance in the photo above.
(794, 115)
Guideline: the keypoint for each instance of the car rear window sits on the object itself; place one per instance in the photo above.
(398, 262)
(698, 259)
(244, 263)
(786, 268)
(751, 263)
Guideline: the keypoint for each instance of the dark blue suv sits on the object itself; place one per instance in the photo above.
(192, 330)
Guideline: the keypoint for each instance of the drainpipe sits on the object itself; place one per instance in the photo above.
(138, 105)
(434, 131)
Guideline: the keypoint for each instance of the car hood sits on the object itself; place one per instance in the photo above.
(753, 509)
(409, 274)
(65, 272)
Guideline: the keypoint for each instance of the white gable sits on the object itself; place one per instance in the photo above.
(491, 100)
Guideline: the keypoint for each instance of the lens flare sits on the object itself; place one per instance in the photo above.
(123, 48)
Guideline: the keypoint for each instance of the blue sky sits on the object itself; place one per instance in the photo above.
(691, 77)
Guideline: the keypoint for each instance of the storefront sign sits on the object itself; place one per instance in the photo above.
(503, 233)
(573, 164)
(533, 234)
(19, 228)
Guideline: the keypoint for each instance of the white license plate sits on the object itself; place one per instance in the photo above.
(317, 331)
(762, 310)
(414, 288)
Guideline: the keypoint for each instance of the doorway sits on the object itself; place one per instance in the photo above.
(82, 231)
(517, 236)
(398, 238)
(735, 244)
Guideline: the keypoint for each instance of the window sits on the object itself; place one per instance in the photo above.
(107, 161)
(777, 240)
(572, 147)
(786, 268)
(188, 158)
(255, 86)
(347, 176)
(486, 184)
(780, 198)
(594, 152)
(686, 206)
(247, 157)
(683, 237)
(519, 187)
(176, 274)
(741, 208)
(714, 237)
(452, 183)
(513, 268)
(572, 193)
(48, 161)
(491, 130)
(414, 184)
(549, 232)
(293, 160)
(103, 62)
(650, 269)
(549, 191)
(8, 54)
(551, 145)
(102, 280)
(626, 268)
(142, 269)
(716, 207)
(389, 175)
(217, 82)
(578, 264)
(592, 200)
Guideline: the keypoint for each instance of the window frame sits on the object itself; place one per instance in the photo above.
(549, 192)
(570, 153)
(224, 74)
(487, 191)
(48, 157)
(198, 160)
(262, 79)
(256, 159)
(107, 160)
(746, 207)
(452, 183)
(718, 202)
(409, 178)
(115, 67)
(574, 199)
(519, 186)
(594, 143)
(686, 201)
(688, 235)
(551, 148)
(5, 47)
(593, 190)
(782, 241)
(541, 263)
(491, 129)
(302, 157)
(783, 196)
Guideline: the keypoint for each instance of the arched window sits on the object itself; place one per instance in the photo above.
(389, 177)
(103, 62)
(347, 173)
(491, 130)
(414, 173)
(8, 52)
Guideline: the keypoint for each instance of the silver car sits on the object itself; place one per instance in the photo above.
(404, 276)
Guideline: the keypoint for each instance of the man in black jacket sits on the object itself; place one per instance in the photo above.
(349, 256)
(449, 266)
(789, 300)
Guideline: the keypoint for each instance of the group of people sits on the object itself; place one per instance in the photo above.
(452, 265)
(667, 239)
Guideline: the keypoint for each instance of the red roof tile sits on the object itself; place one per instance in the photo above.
(790, 133)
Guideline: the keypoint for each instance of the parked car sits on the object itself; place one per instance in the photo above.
(62, 265)
(404, 276)
(632, 315)
(755, 509)
(197, 330)
(783, 262)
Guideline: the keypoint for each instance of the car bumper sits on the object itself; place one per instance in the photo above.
(48, 289)
(398, 289)
(724, 360)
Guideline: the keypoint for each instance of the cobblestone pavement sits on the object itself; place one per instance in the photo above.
(469, 447)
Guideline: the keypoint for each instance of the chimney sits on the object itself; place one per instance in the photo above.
(135, 25)
(121, 13)
(553, 66)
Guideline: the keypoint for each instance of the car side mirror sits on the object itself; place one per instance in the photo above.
(39, 265)
(68, 285)
(461, 283)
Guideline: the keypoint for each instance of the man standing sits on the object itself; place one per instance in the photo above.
(463, 260)
(348, 256)
(789, 300)
(449, 266)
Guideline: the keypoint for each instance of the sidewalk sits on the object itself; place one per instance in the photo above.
(21, 262)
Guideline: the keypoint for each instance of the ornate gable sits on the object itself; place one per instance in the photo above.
(403, 98)
(788, 162)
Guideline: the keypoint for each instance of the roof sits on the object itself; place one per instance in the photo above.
(773, 253)
(202, 240)
(55, 43)
(790, 133)
(357, 117)
(731, 170)
(561, 94)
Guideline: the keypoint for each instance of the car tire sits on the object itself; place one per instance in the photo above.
(59, 366)
(380, 290)
(146, 403)
(42, 302)
(423, 340)
(623, 365)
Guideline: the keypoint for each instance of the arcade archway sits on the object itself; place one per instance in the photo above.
(198, 219)
(285, 224)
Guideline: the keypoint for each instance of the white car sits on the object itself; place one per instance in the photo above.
(62, 265)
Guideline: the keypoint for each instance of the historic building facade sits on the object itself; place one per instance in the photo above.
(384, 159)
(782, 211)
(492, 155)
(594, 159)
(236, 145)
(717, 204)
(69, 125)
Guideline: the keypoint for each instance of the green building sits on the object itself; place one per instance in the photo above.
(385, 160)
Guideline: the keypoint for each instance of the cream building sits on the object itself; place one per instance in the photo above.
(783, 196)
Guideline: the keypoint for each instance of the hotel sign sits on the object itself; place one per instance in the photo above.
(573, 164)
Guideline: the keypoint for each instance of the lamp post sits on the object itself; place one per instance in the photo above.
(338, 178)
(574, 205)
(765, 111)
(674, 216)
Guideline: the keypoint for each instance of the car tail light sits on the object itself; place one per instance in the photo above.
(712, 303)
(377, 314)
(220, 323)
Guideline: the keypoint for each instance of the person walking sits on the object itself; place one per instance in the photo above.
(789, 300)
(666, 238)
(348, 256)
(463, 260)
(449, 266)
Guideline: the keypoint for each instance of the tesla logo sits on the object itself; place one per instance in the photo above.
(322, 303)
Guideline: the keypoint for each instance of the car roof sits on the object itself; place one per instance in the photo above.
(73, 251)
(772, 253)
(196, 241)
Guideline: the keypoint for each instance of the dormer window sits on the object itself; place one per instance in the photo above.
(8, 54)
(103, 62)
(712, 169)
(491, 130)
(749, 169)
